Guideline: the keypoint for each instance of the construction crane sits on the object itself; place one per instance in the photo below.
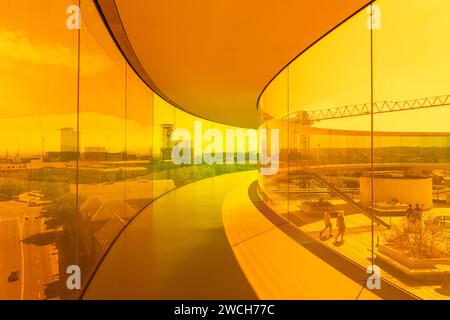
(378, 107)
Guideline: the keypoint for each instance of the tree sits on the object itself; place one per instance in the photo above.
(120, 175)
(10, 189)
(61, 213)
(351, 183)
(53, 190)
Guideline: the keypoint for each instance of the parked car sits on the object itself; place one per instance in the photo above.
(14, 276)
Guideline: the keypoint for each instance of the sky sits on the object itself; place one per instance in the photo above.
(38, 77)
(410, 61)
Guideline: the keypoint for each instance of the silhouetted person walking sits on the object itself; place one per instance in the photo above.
(327, 222)
(410, 218)
(340, 224)
(409, 211)
(418, 212)
(418, 219)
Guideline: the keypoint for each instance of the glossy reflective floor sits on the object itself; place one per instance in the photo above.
(175, 249)
(214, 243)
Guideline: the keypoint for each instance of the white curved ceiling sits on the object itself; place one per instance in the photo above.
(214, 58)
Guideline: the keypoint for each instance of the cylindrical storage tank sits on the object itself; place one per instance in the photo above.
(408, 190)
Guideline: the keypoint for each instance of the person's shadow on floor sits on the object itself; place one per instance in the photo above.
(324, 238)
(338, 243)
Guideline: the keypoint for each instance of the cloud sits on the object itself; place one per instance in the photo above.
(17, 46)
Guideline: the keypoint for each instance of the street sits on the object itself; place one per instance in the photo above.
(32, 257)
(10, 258)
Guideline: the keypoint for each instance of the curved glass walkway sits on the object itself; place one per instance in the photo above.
(208, 240)
(175, 249)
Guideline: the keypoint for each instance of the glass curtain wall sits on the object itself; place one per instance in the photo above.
(85, 146)
(346, 159)
(38, 147)
(417, 76)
